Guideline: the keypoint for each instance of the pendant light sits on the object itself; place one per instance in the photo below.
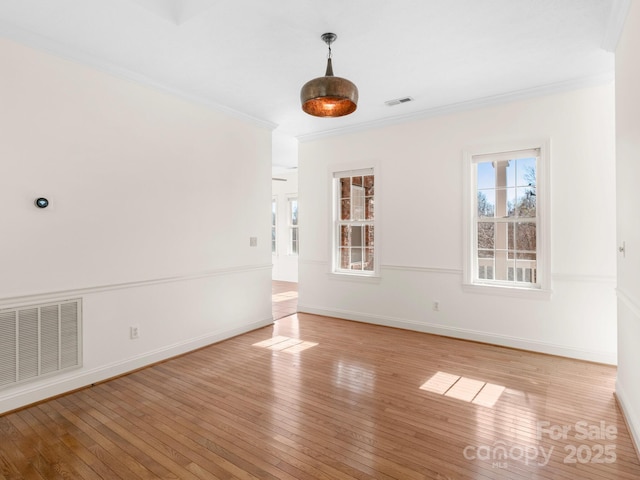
(329, 96)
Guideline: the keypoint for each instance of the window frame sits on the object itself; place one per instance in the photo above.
(274, 225)
(542, 289)
(291, 227)
(335, 175)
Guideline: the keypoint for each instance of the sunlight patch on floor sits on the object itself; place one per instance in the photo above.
(281, 343)
(466, 389)
(284, 296)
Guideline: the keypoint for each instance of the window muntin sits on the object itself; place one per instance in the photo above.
(505, 219)
(354, 250)
(294, 241)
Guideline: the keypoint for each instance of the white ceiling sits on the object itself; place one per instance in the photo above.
(253, 56)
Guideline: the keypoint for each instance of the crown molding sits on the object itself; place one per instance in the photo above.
(493, 100)
(613, 31)
(615, 24)
(37, 42)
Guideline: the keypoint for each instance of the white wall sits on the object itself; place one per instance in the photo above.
(153, 201)
(285, 265)
(628, 174)
(419, 215)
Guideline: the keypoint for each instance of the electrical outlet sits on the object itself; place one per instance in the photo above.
(253, 241)
(134, 332)
(436, 306)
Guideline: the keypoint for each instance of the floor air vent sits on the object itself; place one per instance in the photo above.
(39, 340)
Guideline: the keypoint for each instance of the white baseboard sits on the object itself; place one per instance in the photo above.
(27, 395)
(465, 334)
(631, 416)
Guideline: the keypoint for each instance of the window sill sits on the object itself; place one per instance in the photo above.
(355, 277)
(506, 291)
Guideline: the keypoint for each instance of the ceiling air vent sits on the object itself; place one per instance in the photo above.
(398, 101)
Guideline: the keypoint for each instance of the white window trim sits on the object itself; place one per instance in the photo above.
(274, 198)
(290, 227)
(543, 240)
(356, 275)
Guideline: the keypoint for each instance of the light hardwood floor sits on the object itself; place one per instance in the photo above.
(315, 397)
(284, 298)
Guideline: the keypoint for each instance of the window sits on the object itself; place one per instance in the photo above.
(274, 222)
(507, 224)
(293, 226)
(354, 226)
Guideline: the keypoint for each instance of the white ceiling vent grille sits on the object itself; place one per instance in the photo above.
(39, 340)
(398, 101)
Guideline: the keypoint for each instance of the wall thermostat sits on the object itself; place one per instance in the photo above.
(42, 202)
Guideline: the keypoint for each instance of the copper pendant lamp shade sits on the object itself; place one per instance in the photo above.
(329, 96)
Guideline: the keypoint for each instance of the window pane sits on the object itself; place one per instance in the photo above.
(506, 202)
(369, 208)
(273, 212)
(486, 254)
(526, 172)
(511, 173)
(357, 181)
(485, 268)
(510, 270)
(525, 234)
(528, 264)
(345, 209)
(294, 211)
(273, 225)
(345, 187)
(345, 235)
(510, 231)
(485, 264)
(486, 235)
(356, 259)
(486, 203)
(357, 202)
(273, 239)
(368, 185)
(500, 202)
(368, 241)
(486, 175)
(356, 236)
(344, 258)
(368, 259)
(294, 240)
(528, 256)
(526, 202)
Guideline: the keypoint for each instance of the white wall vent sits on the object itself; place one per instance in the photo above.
(39, 340)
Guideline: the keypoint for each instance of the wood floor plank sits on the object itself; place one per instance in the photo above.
(201, 427)
(166, 415)
(25, 450)
(63, 459)
(336, 400)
